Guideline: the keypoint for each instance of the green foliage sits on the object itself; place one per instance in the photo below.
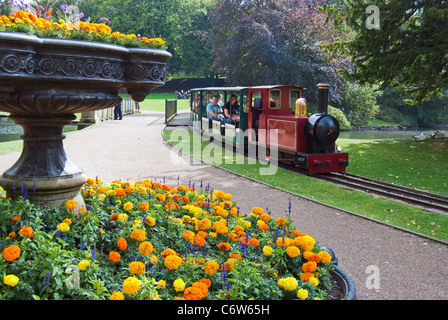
(344, 124)
(408, 50)
(360, 103)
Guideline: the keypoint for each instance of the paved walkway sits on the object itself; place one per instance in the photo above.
(133, 148)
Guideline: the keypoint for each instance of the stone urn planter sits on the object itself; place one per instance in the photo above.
(44, 82)
(344, 288)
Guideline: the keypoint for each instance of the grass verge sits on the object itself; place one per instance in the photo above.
(394, 213)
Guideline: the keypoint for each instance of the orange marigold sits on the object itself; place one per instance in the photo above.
(254, 242)
(144, 206)
(204, 224)
(224, 245)
(309, 266)
(122, 243)
(114, 217)
(306, 276)
(199, 241)
(211, 267)
(280, 221)
(173, 262)
(71, 204)
(138, 234)
(137, 267)
(193, 293)
(146, 248)
(202, 286)
(167, 252)
(26, 231)
(114, 256)
(11, 253)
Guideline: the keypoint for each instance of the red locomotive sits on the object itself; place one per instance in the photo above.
(304, 140)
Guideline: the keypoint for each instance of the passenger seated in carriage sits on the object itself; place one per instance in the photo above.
(213, 110)
(232, 110)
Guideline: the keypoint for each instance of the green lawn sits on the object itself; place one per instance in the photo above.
(394, 213)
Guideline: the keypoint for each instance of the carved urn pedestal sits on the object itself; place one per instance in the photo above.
(44, 82)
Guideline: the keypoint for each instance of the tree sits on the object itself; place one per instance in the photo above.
(274, 42)
(407, 50)
(176, 21)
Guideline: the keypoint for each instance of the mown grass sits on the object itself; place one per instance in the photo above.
(422, 165)
(392, 212)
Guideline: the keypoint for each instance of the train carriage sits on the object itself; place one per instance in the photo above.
(301, 139)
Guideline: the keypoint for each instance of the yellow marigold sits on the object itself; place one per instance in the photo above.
(267, 251)
(10, 280)
(117, 295)
(63, 227)
(257, 211)
(138, 235)
(313, 281)
(324, 257)
(146, 248)
(144, 206)
(302, 294)
(293, 251)
(308, 243)
(83, 264)
(131, 285)
(160, 197)
(71, 204)
(289, 283)
(211, 267)
(219, 194)
(179, 285)
(173, 262)
(122, 217)
(128, 206)
(11, 253)
(284, 242)
(161, 284)
(137, 267)
(150, 221)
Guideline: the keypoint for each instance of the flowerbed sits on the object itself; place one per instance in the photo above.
(149, 240)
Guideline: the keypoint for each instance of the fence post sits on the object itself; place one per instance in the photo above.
(170, 109)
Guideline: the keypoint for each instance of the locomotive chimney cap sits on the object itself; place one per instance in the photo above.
(323, 85)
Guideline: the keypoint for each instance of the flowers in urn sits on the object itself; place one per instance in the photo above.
(71, 28)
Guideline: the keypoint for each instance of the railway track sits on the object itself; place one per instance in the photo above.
(425, 200)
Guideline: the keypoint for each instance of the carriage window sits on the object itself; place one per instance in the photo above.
(293, 96)
(274, 99)
(256, 99)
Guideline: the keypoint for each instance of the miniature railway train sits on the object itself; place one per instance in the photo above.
(249, 115)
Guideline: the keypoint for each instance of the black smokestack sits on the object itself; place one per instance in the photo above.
(323, 97)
